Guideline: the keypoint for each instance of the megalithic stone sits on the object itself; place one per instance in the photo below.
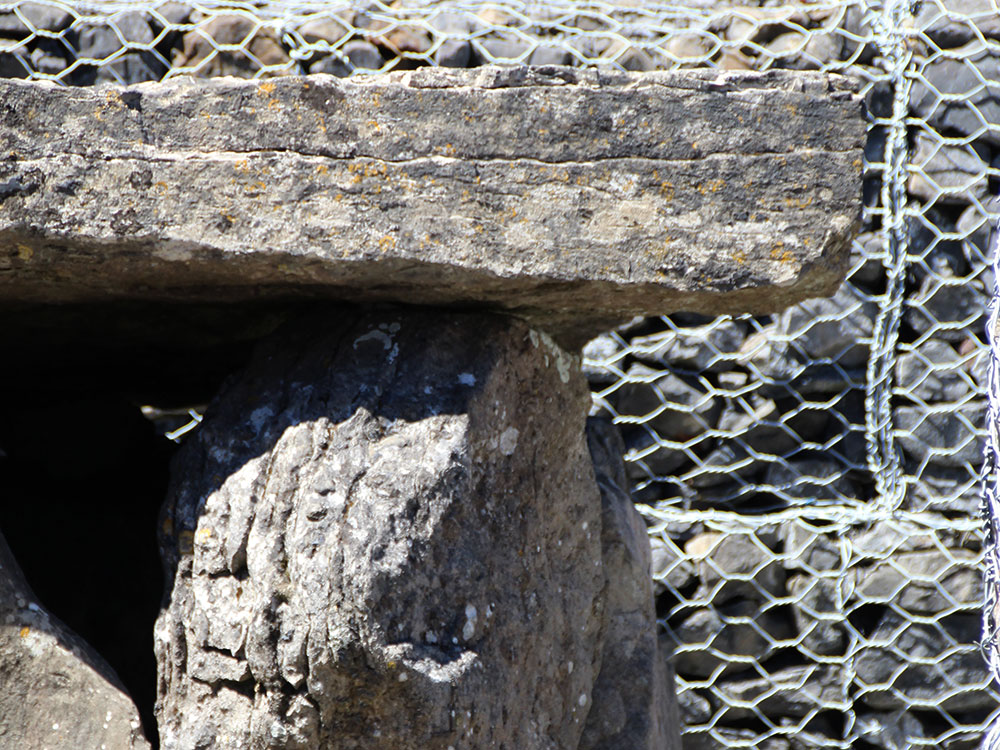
(388, 534)
(389, 531)
(575, 199)
(55, 691)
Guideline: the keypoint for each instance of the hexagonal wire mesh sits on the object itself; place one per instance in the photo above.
(808, 478)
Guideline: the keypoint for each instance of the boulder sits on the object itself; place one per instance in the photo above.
(55, 691)
(383, 525)
(634, 702)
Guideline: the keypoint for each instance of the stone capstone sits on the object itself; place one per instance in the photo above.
(387, 533)
(575, 199)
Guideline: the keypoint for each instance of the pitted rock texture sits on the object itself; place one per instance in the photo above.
(575, 199)
(387, 533)
(55, 691)
(635, 705)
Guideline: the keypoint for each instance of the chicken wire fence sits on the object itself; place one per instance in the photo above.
(809, 479)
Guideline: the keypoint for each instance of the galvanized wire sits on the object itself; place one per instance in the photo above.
(991, 492)
(890, 25)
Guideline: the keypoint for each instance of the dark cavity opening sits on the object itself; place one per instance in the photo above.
(81, 484)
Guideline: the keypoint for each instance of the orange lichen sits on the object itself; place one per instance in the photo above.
(712, 186)
(799, 202)
(779, 253)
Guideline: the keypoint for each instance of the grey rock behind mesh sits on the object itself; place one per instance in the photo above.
(945, 677)
(948, 174)
(944, 438)
(969, 103)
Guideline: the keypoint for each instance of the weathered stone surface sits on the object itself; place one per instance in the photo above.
(634, 703)
(600, 355)
(574, 198)
(55, 691)
(382, 528)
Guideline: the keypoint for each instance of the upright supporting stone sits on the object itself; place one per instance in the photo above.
(387, 534)
(55, 692)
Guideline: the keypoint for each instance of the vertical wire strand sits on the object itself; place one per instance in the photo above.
(990, 501)
(883, 455)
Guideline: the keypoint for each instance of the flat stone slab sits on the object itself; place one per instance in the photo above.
(574, 199)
